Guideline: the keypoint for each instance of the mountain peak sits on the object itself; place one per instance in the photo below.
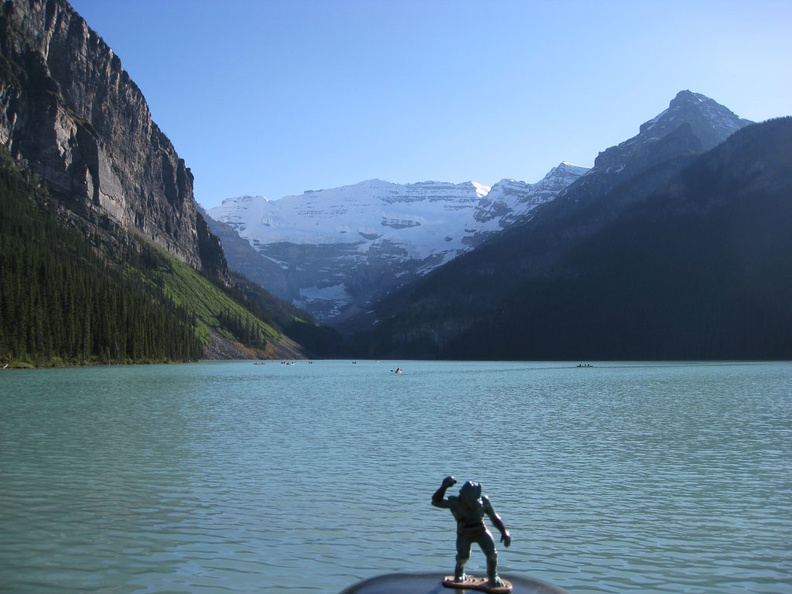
(688, 96)
(692, 122)
(481, 189)
(711, 121)
(568, 165)
(567, 168)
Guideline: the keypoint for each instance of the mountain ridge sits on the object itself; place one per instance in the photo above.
(550, 269)
(700, 269)
(340, 251)
(375, 236)
(431, 313)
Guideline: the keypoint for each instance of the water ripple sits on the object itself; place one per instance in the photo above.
(229, 477)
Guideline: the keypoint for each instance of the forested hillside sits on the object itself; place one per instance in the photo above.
(60, 302)
(67, 299)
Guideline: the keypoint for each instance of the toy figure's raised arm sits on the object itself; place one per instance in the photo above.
(438, 499)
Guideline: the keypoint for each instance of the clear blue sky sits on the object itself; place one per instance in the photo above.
(275, 97)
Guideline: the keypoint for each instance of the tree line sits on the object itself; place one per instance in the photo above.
(63, 300)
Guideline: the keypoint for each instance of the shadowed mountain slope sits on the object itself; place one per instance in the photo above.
(690, 259)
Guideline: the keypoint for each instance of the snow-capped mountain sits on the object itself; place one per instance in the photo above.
(340, 247)
(336, 252)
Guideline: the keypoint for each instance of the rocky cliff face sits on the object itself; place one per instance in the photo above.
(70, 112)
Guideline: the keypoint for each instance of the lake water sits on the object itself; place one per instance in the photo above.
(235, 477)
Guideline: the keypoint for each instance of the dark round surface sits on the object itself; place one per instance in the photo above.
(432, 583)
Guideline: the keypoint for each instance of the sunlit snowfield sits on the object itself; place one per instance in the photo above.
(235, 477)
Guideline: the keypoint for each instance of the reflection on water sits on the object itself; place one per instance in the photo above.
(307, 478)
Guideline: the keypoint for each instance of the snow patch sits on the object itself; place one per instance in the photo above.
(401, 226)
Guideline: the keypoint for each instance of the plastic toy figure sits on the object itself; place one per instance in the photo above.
(468, 509)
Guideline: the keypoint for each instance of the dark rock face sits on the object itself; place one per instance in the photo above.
(70, 112)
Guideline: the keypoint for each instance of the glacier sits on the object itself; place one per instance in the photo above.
(343, 246)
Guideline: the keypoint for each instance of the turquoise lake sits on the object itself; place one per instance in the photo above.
(306, 478)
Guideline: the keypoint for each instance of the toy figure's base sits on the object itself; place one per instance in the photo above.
(432, 583)
(477, 583)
